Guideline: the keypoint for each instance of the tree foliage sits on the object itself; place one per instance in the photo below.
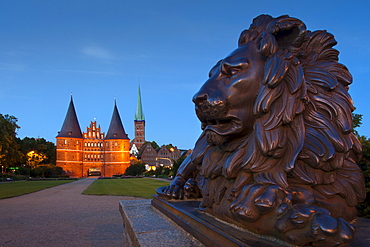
(39, 146)
(177, 164)
(169, 146)
(16, 152)
(137, 169)
(356, 122)
(364, 207)
(364, 164)
(9, 148)
(154, 144)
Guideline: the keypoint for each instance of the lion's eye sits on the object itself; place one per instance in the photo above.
(233, 71)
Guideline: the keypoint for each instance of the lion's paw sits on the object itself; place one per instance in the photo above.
(191, 189)
(257, 199)
(304, 224)
(271, 198)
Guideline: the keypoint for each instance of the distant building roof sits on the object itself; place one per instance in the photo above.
(116, 130)
(139, 115)
(71, 127)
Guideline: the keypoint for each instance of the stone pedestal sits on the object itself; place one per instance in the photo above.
(160, 222)
(209, 230)
(146, 226)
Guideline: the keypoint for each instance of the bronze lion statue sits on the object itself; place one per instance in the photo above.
(277, 155)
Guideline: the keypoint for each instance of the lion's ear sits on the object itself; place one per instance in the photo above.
(266, 44)
(289, 32)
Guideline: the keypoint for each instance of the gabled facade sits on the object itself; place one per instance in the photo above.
(166, 156)
(161, 157)
(148, 154)
(92, 153)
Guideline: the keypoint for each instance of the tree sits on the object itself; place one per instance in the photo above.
(177, 164)
(364, 164)
(135, 170)
(9, 148)
(169, 146)
(39, 146)
(34, 158)
(154, 145)
(356, 122)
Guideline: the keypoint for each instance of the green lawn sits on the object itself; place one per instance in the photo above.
(12, 189)
(139, 187)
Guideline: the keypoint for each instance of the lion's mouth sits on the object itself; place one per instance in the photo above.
(223, 126)
(215, 117)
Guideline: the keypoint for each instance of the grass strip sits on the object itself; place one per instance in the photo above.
(18, 188)
(138, 187)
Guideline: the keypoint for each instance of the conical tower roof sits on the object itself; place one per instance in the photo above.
(71, 127)
(116, 130)
(139, 116)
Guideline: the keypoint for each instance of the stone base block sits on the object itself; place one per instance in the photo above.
(179, 223)
(213, 232)
(146, 226)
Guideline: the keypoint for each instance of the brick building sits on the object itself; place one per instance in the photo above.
(166, 156)
(148, 154)
(81, 154)
(163, 156)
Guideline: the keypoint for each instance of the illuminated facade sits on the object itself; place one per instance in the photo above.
(92, 153)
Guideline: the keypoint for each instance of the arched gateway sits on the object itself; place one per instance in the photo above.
(94, 172)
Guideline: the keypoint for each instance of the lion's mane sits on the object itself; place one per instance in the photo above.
(303, 131)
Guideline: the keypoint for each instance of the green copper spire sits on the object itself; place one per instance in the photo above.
(139, 116)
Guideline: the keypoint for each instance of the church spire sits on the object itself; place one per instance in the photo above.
(139, 116)
(71, 127)
(116, 130)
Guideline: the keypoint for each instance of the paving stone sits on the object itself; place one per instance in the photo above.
(62, 216)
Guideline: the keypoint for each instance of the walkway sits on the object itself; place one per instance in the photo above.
(61, 216)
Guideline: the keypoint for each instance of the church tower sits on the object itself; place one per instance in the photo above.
(70, 144)
(117, 147)
(139, 123)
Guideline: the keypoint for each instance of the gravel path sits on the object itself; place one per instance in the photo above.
(61, 216)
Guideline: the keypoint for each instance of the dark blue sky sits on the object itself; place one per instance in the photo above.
(98, 50)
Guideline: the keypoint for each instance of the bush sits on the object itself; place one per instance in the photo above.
(135, 169)
(23, 170)
(46, 171)
(12, 177)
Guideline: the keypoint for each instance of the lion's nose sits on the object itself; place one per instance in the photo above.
(199, 98)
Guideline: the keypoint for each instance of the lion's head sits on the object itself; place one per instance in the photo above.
(278, 108)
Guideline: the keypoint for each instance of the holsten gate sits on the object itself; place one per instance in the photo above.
(277, 155)
(92, 153)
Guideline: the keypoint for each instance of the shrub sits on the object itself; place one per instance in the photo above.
(135, 169)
